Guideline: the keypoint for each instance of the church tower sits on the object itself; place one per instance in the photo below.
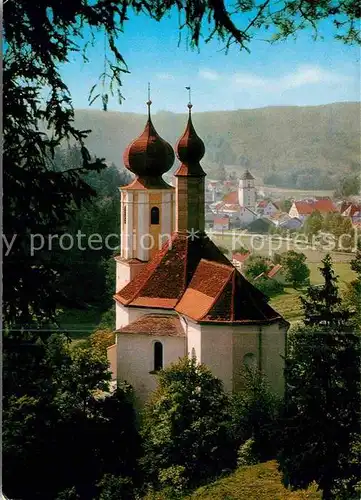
(247, 191)
(190, 181)
(147, 204)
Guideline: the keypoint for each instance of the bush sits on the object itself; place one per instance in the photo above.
(246, 454)
(269, 286)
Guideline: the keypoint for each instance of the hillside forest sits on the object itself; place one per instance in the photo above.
(313, 147)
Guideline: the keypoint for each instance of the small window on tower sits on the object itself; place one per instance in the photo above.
(124, 215)
(154, 215)
(158, 356)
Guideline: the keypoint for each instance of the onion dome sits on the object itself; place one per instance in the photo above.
(190, 149)
(149, 156)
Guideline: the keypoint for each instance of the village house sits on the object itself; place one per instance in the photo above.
(239, 260)
(302, 209)
(180, 296)
(352, 210)
(267, 208)
(221, 223)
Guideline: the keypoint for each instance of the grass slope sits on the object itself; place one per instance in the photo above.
(256, 482)
(325, 137)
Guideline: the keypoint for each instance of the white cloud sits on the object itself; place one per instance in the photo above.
(303, 75)
(164, 76)
(208, 74)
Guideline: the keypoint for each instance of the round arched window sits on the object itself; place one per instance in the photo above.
(193, 354)
(249, 360)
(158, 356)
(154, 215)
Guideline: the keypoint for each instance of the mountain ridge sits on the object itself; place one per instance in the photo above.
(306, 140)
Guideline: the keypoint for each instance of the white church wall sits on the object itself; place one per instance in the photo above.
(121, 315)
(135, 360)
(216, 352)
(246, 216)
(167, 209)
(193, 331)
(245, 342)
(122, 275)
(273, 349)
(143, 225)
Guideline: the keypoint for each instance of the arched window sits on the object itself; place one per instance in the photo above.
(158, 356)
(249, 360)
(154, 215)
(193, 354)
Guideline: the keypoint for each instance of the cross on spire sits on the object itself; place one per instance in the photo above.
(149, 102)
(189, 105)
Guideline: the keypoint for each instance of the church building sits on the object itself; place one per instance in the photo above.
(176, 293)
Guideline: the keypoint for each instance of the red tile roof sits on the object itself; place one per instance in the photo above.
(193, 277)
(304, 208)
(221, 220)
(155, 324)
(263, 203)
(240, 257)
(231, 198)
(274, 270)
(323, 206)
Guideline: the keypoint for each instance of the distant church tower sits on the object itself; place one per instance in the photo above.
(147, 204)
(247, 191)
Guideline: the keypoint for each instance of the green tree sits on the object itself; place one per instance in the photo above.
(323, 304)
(314, 223)
(353, 291)
(67, 416)
(348, 186)
(187, 426)
(285, 205)
(255, 413)
(322, 413)
(296, 269)
(256, 265)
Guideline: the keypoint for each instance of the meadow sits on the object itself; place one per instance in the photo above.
(261, 482)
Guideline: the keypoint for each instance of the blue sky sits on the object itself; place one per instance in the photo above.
(295, 72)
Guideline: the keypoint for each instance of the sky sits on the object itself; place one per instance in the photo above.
(300, 72)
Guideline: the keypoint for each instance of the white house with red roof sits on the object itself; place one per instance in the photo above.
(352, 210)
(302, 209)
(267, 208)
(183, 297)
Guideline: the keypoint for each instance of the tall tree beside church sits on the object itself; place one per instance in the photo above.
(322, 410)
(187, 435)
(353, 292)
(323, 304)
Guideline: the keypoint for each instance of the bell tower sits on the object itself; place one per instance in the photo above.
(190, 180)
(147, 204)
(247, 191)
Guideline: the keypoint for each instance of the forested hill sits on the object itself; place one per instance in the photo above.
(273, 140)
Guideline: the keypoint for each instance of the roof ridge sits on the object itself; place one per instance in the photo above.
(215, 263)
